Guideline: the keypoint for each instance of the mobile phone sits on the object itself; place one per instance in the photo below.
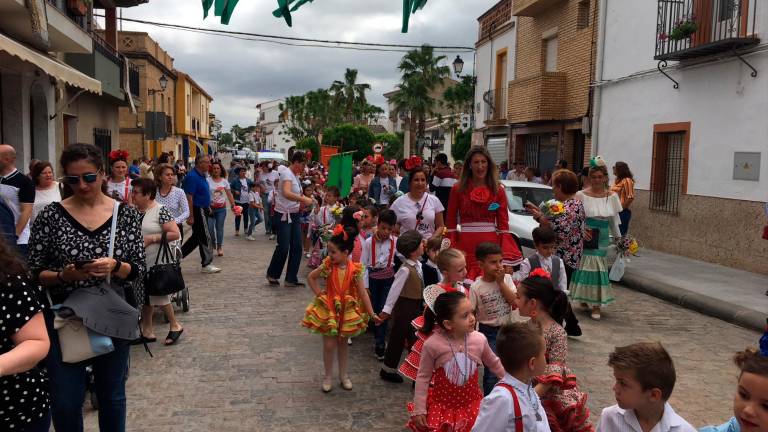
(81, 263)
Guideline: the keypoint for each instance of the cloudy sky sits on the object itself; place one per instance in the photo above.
(239, 74)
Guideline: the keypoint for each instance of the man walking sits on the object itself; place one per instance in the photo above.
(18, 192)
(199, 197)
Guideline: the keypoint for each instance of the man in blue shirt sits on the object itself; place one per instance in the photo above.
(199, 197)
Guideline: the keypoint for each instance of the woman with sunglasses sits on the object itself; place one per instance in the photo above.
(419, 210)
(69, 250)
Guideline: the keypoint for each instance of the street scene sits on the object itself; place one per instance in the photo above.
(503, 215)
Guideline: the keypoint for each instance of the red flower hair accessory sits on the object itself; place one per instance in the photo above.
(413, 162)
(540, 272)
(358, 215)
(117, 155)
(339, 230)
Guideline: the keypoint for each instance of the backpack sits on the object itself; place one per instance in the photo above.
(7, 223)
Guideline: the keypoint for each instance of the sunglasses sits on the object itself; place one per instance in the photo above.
(75, 179)
(419, 214)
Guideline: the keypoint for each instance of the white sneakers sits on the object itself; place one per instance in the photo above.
(209, 269)
(250, 237)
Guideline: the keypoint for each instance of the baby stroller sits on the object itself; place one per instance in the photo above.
(180, 298)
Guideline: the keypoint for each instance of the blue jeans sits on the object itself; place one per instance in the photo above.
(255, 216)
(489, 379)
(245, 216)
(624, 216)
(379, 291)
(67, 386)
(216, 226)
(289, 246)
(267, 214)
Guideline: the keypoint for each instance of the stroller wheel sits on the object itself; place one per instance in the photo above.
(185, 299)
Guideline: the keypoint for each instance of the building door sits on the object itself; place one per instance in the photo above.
(102, 138)
(577, 161)
(500, 94)
(498, 148)
(541, 151)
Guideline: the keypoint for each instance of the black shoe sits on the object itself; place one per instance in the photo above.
(390, 376)
(573, 330)
(380, 353)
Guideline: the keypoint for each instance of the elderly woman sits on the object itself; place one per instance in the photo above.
(23, 344)
(156, 220)
(46, 188)
(417, 209)
(170, 196)
(590, 284)
(479, 203)
(69, 251)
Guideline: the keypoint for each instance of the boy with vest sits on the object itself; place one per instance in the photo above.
(404, 303)
(378, 257)
(545, 241)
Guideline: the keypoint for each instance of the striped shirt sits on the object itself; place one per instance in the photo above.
(626, 190)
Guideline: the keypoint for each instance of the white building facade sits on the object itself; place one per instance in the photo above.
(270, 120)
(697, 139)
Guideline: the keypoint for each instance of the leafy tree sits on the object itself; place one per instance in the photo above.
(459, 100)
(310, 143)
(307, 115)
(461, 145)
(421, 72)
(238, 133)
(393, 145)
(226, 140)
(351, 96)
(349, 137)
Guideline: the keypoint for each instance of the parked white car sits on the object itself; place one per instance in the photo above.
(521, 223)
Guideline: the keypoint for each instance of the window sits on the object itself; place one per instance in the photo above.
(582, 19)
(189, 103)
(550, 54)
(669, 169)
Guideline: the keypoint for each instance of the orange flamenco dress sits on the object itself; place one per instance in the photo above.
(483, 218)
(337, 311)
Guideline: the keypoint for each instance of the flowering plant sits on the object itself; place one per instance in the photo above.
(683, 29)
(480, 195)
(336, 211)
(627, 245)
(552, 208)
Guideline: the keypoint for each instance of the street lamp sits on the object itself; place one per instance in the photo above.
(163, 82)
(458, 66)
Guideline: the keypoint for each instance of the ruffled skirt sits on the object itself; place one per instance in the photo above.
(590, 283)
(565, 404)
(346, 319)
(451, 408)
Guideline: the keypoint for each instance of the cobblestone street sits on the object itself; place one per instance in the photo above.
(244, 364)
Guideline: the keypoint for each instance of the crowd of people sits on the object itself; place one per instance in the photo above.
(419, 254)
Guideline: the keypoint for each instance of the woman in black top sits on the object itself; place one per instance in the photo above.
(23, 344)
(75, 230)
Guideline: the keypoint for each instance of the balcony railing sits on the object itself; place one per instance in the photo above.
(495, 102)
(694, 28)
(63, 6)
(133, 79)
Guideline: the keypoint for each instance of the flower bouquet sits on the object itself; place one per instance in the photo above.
(627, 245)
(552, 208)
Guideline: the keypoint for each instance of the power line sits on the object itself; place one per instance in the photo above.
(257, 37)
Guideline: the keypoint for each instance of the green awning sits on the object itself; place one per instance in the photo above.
(225, 8)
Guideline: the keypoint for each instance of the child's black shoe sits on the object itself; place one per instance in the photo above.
(392, 377)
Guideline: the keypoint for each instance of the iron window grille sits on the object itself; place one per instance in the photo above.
(667, 172)
(102, 138)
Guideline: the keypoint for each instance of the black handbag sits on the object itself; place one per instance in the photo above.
(164, 279)
(594, 242)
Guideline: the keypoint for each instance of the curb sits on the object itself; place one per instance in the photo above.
(701, 303)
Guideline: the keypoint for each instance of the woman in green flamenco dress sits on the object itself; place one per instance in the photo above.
(590, 285)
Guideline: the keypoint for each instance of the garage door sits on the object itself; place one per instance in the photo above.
(498, 148)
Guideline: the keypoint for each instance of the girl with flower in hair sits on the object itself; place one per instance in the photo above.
(343, 309)
(479, 203)
(118, 183)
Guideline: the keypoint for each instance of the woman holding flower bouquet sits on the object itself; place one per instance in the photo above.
(479, 203)
(590, 284)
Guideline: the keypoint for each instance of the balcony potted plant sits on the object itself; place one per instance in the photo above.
(683, 29)
(78, 7)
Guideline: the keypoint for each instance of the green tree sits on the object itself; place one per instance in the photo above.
(238, 133)
(351, 95)
(421, 72)
(461, 145)
(310, 143)
(393, 145)
(349, 137)
(226, 140)
(307, 115)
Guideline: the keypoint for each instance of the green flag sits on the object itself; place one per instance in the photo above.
(340, 173)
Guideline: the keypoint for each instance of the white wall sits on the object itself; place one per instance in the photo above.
(485, 68)
(725, 105)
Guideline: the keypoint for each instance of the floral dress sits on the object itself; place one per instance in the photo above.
(483, 218)
(565, 404)
(337, 311)
(569, 228)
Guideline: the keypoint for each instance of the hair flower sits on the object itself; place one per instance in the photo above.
(413, 162)
(116, 155)
(494, 206)
(540, 272)
(358, 215)
(338, 229)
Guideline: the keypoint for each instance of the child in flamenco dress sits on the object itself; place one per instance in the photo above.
(343, 309)
(453, 269)
(564, 403)
(448, 395)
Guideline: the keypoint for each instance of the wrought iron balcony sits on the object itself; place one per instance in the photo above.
(688, 29)
(495, 103)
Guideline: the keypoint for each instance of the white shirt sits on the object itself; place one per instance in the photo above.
(406, 210)
(383, 250)
(497, 411)
(283, 204)
(119, 191)
(243, 197)
(513, 175)
(268, 181)
(254, 197)
(615, 419)
(546, 264)
(490, 304)
(325, 216)
(43, 197)
(397, 286)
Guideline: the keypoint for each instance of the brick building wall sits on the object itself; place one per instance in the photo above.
(494, 18)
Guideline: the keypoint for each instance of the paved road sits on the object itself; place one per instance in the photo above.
(244, 364)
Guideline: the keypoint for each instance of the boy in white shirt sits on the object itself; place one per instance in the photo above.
(513, 405)
(255, 208)
(545, 241)
(492, 297)
(378, 256)
(645, 377)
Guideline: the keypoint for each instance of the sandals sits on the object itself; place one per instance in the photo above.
(346, 383)
(219, 252)
(327, 386)
(173, 336)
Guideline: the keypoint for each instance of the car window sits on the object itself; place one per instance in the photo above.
(518, 196)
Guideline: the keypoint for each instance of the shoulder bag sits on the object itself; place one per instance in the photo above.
(164, 278)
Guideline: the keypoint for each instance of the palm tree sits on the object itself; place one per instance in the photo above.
(421, 74)
(350, 94)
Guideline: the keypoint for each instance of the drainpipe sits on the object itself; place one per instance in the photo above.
(597, 95)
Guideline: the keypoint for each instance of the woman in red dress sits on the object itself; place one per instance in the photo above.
(478, 203)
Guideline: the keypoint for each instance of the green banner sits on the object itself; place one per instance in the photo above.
(340, 173)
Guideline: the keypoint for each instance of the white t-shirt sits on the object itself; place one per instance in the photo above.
(491, 306)
(218, 192)
(283, 204)
(268, 180)
(254, 197)
(244, 191)
(118, 190)
(406, 210)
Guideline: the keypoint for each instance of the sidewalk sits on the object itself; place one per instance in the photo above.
(732, 295)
